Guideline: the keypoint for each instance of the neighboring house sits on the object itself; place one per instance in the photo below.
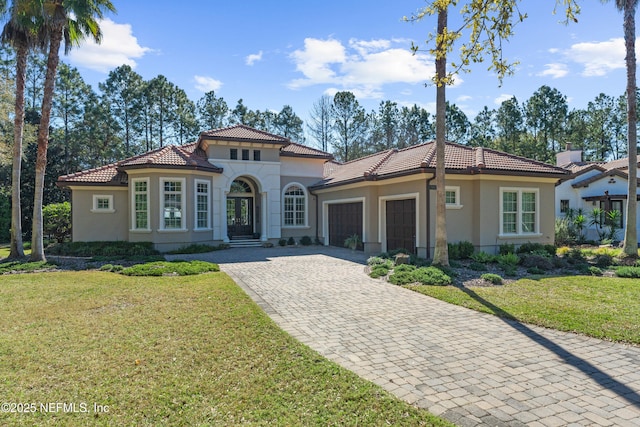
(590, 185)
(242, 183)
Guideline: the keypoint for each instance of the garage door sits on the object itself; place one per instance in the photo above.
(345, 219)
(401, 225)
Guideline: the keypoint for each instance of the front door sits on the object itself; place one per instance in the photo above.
(239, 216)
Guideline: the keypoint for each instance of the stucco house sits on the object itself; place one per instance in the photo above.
(240, 185)
(592, 185)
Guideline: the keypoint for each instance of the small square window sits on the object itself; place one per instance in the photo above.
(564, 206)
(102, 203)
(256, 155)
(233, 154)
(245, 154)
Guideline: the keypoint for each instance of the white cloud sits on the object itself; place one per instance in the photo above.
(119, 47)
(555, 71)
(253, 58)
(464, 98)
(598, 58)
(362, 67)
(503, 97)
(206, 84)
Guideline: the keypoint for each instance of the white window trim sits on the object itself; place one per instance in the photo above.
(133, 206)
(457, 204)
(183, 202)
(518, 232)
(306, 206)
(195, 204)
(96, 209)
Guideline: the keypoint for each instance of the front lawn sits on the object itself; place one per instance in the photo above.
(601, 307)
(184, 350)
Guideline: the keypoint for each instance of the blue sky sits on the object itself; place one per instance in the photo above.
(273, 53)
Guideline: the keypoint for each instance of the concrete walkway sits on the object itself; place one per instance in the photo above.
(468, 367)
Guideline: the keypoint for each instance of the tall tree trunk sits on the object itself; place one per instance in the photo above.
(441, 252)
(17, 250)
(37, 243)
(630, 247)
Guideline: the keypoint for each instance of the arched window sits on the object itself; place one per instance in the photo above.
(239, 186)
(295, 206)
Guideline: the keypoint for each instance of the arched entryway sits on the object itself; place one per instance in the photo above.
(242, 210)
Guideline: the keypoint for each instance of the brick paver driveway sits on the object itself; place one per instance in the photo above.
(468, 367)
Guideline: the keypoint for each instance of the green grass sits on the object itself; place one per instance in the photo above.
(25, 267)
(601, 307)
(188, 350)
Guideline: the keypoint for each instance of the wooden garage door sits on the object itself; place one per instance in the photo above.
(401, 225)
(345, 219)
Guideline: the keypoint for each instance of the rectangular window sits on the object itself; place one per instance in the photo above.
(564, 206)
(245, 154)
(256, 155)
(294, 202)
(202, 204)
(452, 197)
(519, 211)
(233, 154)
(608, 214)
(171, 200)
(102, 204)
(140, 219)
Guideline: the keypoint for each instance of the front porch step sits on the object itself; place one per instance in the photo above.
(245, 243)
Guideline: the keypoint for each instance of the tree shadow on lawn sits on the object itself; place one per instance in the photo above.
(602, 378)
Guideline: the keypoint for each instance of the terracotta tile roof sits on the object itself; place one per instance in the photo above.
(188, 156)
(243, 133)
(104, 175)
(618, 164)
(299, 150)
(419, 158)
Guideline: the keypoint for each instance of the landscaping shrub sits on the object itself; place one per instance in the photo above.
(105, 249)
(595, 271)
(306, 241)
(460, 250)
(379, 270)
(575, 256)
(56, 221)
(291, 241)
(535, 270)
(196, 248)
(404, 267)
(628, 272)
(431, 276)
(603, 260)
(483, 257)
(112, 268)
(527, 248)
(508, 259)
(375, 261)
(282, 242)
(492, 278)
(507, 248)
(540, 262)
(401, 277)
(477, 266)
(563, 251)
(510, 270)
(161, 268)
(11, 266)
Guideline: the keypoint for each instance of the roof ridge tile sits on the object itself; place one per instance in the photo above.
(376, 165)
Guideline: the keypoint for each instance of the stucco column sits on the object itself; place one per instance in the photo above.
(263, 212)
(223, 219)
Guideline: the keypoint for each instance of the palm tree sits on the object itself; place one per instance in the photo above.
(628, 8)
(441, 249)
(21, 32)
(70, 20)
